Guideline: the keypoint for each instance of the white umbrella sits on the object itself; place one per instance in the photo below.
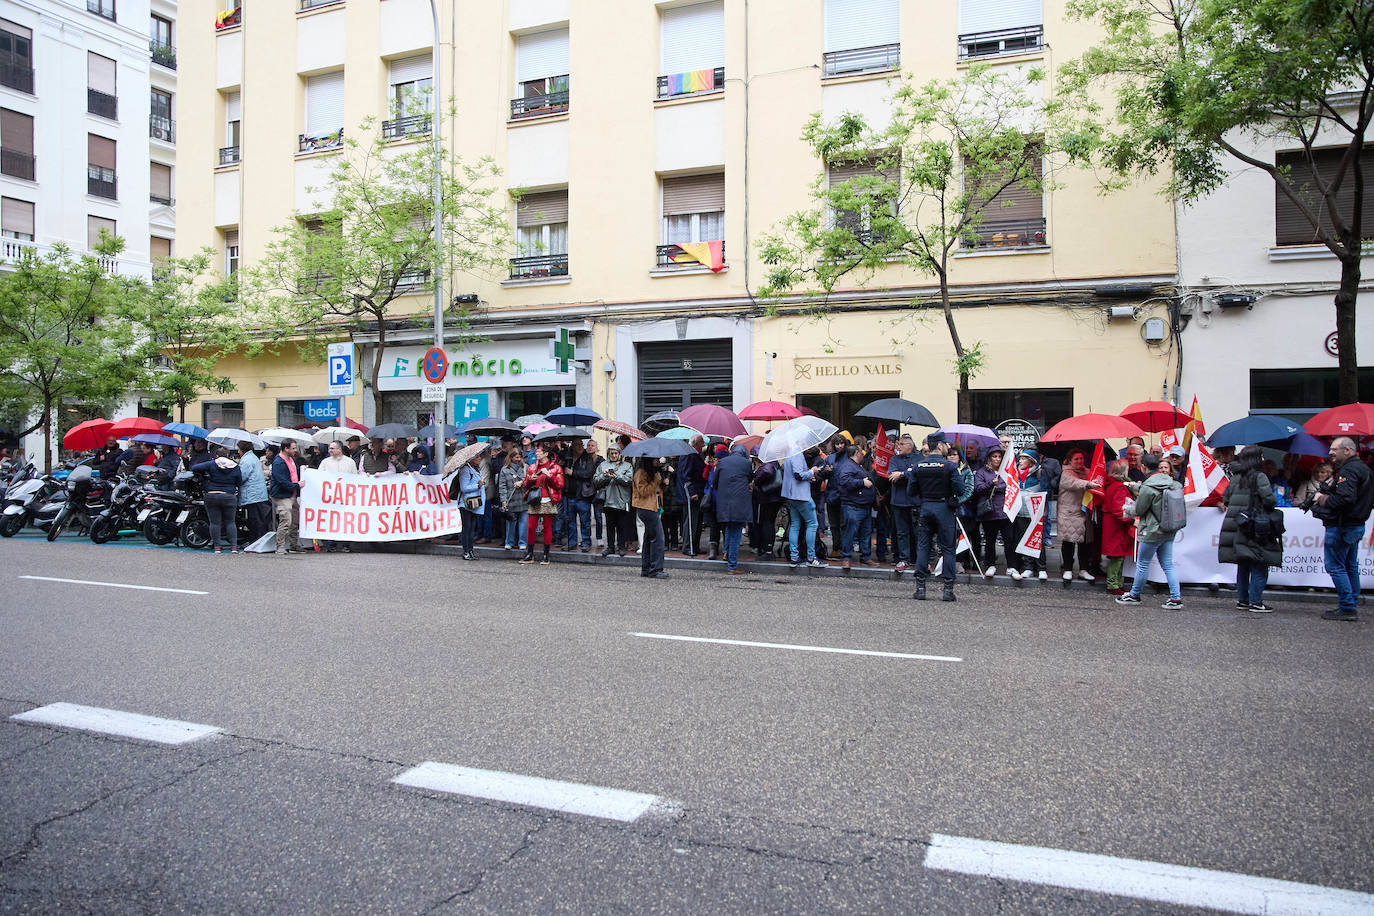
(230, 438)
(335, 434)
(794, 437)
(464, 455)
(280, 434)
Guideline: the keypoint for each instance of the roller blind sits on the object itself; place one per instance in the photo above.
(16, 29)
(16, 131)
(159, 249)
(992, 15)
(16, 216)
(542, 209)
(860, 24)
(541, 54)
(1025, 203)
(694, 194)
(410, 69)
(231, 238)
(100, 151)
(159, 180)
(324, 103)
(233, 106)
(841, 172)
(93, 226)
(694, 37)
(100, 73)
(1290, 226)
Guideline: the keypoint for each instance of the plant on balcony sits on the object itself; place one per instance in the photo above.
(951, 147)
(351, 267)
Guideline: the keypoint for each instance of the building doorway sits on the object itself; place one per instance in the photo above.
(680, 373)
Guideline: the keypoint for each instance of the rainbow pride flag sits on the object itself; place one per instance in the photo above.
(691, 81)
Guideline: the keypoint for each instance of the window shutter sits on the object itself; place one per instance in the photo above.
(694, 194)
(694, 37)
(16, 216)
(100, 151)
(100, 73)
(993, 15)
(324, 103)
(1025, 202)
(542, 209)
(541, 54)
(93, 226)
(160, 180)
(1290, 226)
(233, 107)
(16, 29)
(231, 238)
(159, 249)
(16, 131)
(410, 69)
(841, 172)
(853, 24)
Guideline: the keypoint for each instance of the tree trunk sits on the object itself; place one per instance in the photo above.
(963, 404)
(377, 369)
(47, 437)
(1345, 327)
(181, 411)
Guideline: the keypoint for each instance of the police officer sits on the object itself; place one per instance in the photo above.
(934, 487)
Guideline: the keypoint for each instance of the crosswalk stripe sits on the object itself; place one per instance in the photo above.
(531, 791)
(117, 722)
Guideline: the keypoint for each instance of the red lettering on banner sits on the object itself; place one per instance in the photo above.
(308, 516)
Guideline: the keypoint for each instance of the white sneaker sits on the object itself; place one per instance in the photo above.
(1014, 573)
(989, 572)
(1068, 575)
(1085, 575)
(1043, 575)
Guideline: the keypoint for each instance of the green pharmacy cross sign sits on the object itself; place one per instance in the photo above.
(561, 350)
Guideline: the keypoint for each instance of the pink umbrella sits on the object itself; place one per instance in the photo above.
(535, 429)
(769, 410)
(712, 420)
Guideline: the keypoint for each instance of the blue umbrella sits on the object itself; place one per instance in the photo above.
(1259, 429)
(1305, 443)
(677, 432)
(155, 439)
(572, 416)
(190, 430)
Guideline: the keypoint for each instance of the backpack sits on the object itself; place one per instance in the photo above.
(1173, 512)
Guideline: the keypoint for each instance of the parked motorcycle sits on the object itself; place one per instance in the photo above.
(164, 510)
(121, 514)
(87, 496)
(24, 498)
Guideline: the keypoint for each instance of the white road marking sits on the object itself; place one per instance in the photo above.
(779, 645)
(569, 797)
(1177, 884)
(142, 588)
(115, 722)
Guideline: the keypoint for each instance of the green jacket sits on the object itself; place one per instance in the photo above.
(616, 483)
(1148, 503)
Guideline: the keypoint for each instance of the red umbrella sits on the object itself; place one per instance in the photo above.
(354, 424)
(1347, 420)
(1156, 416)
(1092, 426)
(711, 420)
(749, 442)
(87, 435)
(615, 427)
(769, 410)
(808, 412)
(134, 426)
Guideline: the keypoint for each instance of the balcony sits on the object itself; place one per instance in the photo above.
(12, 249)
(163, 201)
(16, 164)
(412, 126)
(316, 4)
(873, 59)
(667, 255)
(163, 54)
(314, 143)
(101, 182)
(228, 155)
(539, 267)
(541, 97)
(105, 8)
(16, 73)
(228, 19)
(1009, 233)
(1001, 41)
(160, 128)
(679, 84)
(102, 104)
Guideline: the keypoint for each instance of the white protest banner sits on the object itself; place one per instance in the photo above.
(1304, 546)
(1033, 541)
(355, 507)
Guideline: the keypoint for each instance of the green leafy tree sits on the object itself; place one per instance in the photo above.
(1198, 85)
(928, 184)
(68, 333)
(349, 267)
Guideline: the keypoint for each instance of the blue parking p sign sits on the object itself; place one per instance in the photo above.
(340, 368)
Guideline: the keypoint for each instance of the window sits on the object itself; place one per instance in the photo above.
(159, 250)
(861, 36)
(160, 42)
(1308, 179)
(229, 153)
(95, 225)
(1015, 216)
(541, 74)
(16, 56)
(231, 252)
(541, 236)
(693, 49)
(16, 219)
(522, 401)
(160, 123)
(1041, 407)
(160, 183)
(693, 211)
(104, 8)
(324, 112)
(879, 199)
(991, 27)
(100, 86)
(298, 414)
(841, 407)
(100, 167)
(312, 4)
(16, 144)
(214, 414)
(1300, 393)
(410, 84)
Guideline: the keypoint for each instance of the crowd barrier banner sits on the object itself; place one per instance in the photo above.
(394, 507)
(1304, 542)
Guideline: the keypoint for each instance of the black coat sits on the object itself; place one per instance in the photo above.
(733, 501)
(1241, 494)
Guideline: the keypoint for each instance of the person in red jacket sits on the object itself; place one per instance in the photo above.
(1118, 528)
(544, 477)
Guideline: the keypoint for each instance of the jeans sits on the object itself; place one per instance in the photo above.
(882, 533)
(1148, 550)
(938, 519)
(802, 515)
(904, 540)
(580, 521)
(858, 524)
(651, 548)
(222, 509)
(1343, 563)
(287, 524)
(1251, 578)
(734, 533)
(598, 508)
(472, 521)
(515, 530)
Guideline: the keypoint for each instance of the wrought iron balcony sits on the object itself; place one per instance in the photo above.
(1009, 233)
(543, 265)
(671, 86)
(16, 164)
(863, 60)
(102, 103)
(160, 128)
(312, 143)
(104, 8)
(16, 73)
(1001, 41)
(158, 199)
(163, 54)
(228, 155)
(541, 97)
(410, 126)
(101, 182)
(666, 254)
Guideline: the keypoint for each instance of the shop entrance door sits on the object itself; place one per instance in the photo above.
(839, 409)
(680, 373)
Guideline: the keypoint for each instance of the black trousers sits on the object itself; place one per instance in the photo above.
(620, 529)
(651, 549)
(936, 520)
(259, 518)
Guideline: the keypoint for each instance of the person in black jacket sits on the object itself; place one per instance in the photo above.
(224, 477)
(903, 521)
(106, 458)
(690, 488)
(855, 487)
(1344, 508)
(935, 487)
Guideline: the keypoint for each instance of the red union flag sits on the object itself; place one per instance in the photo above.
(1204, 475)
(1033, 541)
(882, 452)
(1168, 439)
(1096, 474)
(1011, 503)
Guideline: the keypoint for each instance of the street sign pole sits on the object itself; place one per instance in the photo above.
(436, 100)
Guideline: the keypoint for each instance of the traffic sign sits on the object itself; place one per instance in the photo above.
(435, 365)
(432, 394)
(339, 364)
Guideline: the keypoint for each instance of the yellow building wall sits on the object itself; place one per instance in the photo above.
(272, 376)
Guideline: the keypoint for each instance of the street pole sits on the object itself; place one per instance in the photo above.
(436, 99)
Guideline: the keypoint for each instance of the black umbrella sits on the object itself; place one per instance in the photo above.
(431, 431)
(657, 448)
(562, 432)
(393, 431)
(490, 426)
(898, 410)
(657, 423)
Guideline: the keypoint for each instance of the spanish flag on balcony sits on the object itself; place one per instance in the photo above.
(710, 254)
(691, 81)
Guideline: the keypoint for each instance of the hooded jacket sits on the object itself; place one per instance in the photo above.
(1149, 503)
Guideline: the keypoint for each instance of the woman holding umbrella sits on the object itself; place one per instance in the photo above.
(546, 477)
(1075, 526)
(472, 496)
(1249, 497)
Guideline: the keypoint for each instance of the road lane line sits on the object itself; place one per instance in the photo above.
(116, 722)
(780, 645)
(532, 791)
(1177, 884)
(142, 588)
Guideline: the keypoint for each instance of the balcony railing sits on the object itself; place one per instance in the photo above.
(666, 255)
(159, 199)
(1001, 41)
(104, 8)
(12, 249)
(863, 60)
(543, 265)
(228, 19)
(160, 128)
(1009, 233)
(228, 155)
(16, 74)
(16, 164)
(163, 54)
(101, 182)
(541, 97)
(102, 103)
(314, 4)
(679, 84)
(312, 143)
(410, 126)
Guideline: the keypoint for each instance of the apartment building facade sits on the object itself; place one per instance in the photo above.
(651, 146)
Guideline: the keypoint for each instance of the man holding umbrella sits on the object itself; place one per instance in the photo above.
(935, 488)
(691, 485)
(1345, 507)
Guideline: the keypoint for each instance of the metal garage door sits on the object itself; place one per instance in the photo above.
(681, 373)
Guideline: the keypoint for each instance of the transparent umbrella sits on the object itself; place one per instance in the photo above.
(794, 437)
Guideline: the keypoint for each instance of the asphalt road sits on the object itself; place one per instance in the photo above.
(787, 780)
